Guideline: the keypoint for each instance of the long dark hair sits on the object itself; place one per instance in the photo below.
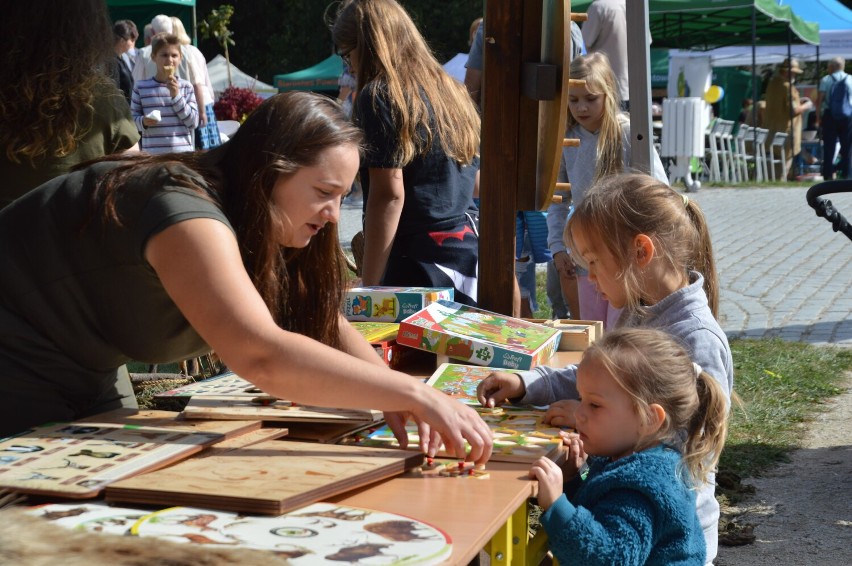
(55, 58)
(303, 288)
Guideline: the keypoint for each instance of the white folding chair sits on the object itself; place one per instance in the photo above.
(780, 142)
(729, 167)
(714, 149)
(760, 154)
(741, 156)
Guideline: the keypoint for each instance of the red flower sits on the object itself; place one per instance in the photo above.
(236, 104)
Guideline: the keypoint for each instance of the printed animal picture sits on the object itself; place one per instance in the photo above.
(226, 384)
(78, 460)
(460, 381)
(321, 533)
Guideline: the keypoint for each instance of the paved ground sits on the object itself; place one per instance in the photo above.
(783, 271)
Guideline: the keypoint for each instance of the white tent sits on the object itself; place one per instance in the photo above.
(218, 69)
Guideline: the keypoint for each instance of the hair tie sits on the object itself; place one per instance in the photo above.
(697, 369)
(685, 199)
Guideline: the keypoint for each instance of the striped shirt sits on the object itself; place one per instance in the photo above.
(179, 116)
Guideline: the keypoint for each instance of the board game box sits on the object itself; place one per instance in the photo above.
(478, 336)
(382, 336)
(390, 304)
(460, 381)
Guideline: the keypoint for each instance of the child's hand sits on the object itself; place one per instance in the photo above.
(549, 477)
(173, 86)
(499, 387)
(561, 413)
(575, 456)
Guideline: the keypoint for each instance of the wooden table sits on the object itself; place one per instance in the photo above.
(491, 513)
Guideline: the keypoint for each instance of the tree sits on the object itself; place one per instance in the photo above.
(215, 26)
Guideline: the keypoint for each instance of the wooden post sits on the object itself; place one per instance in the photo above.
(506, 120)
(639, 73)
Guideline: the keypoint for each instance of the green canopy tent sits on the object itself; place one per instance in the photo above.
(141, 12)
(321, 77)
(706, 24)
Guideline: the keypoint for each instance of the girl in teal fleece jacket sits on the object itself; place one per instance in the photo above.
(652, 425)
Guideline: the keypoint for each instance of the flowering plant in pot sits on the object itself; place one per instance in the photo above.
(236, 103)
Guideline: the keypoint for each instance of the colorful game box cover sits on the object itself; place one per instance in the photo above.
(459, 381)
(390, 304)
(478, 337)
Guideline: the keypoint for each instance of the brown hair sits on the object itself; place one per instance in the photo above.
(303, 288)
(55, 57)
(162, 40)
(597, 72)
(393, 56)
(617, 209)
(654, 369)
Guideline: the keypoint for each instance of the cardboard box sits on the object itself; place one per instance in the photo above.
(390, 304)
(478, 336)
(577, 335)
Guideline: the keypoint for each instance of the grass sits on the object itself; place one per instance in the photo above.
(781, 385)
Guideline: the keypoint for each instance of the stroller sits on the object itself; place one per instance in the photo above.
(825, 209)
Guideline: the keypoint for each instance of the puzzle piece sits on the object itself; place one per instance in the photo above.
(441, 468)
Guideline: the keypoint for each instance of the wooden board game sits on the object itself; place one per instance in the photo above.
(478, 336)
(519, 435)
(270, 477)
(321, 533)
(173, 420)
(225, 384)
(270, 409)
(77, 460)
(577, 335)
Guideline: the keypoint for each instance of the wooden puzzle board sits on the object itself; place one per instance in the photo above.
(77, 460)
(460, 380)
(173, 420)
(270, 477)
(227, 384)
(519, 435)
(327, 433)
(242, 407)
(321, 533)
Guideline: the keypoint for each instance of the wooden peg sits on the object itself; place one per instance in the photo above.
(579, 17)
(556, 199)
(576, 83)
(563, 186)
(570, 142)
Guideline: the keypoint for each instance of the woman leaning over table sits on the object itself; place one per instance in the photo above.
(158, 258)
(422, 134)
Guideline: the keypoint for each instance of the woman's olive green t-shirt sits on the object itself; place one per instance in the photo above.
(77, 297)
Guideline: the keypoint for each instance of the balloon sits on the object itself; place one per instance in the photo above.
(714, 94)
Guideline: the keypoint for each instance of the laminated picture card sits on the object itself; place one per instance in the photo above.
(390, 304)
(478, 336)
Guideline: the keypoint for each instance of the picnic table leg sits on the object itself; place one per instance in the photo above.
(509, 544)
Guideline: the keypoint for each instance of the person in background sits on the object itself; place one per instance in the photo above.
(234, 249)
(147, 37)
(422, 133)
(782, 99)
(835, 129)
(650, 427)
(129, 56)
(207, 132)
(121, 72)
(145, 66)
(164, 106)
(58, 105)
(606, 32)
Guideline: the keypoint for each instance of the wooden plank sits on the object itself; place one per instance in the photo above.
(501, 100)
(270, 477)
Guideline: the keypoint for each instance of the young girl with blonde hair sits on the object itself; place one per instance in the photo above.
(422, 133)
(648, 251)
(595, 118)
(651, 425)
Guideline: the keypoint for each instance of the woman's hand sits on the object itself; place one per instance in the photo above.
(498, 388)
(442, 419)
(549, 477)
(561, 413)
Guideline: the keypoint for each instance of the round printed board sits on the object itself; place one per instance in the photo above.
(321, 533)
